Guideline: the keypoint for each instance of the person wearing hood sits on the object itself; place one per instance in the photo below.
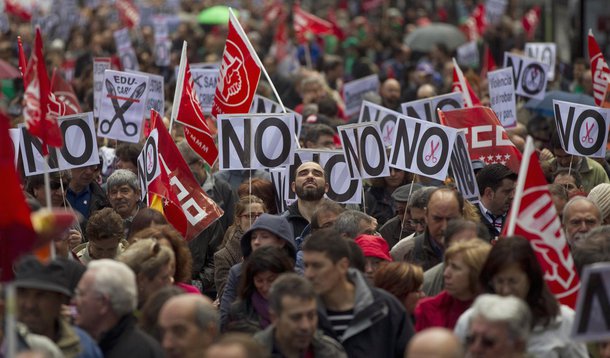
(267, 230)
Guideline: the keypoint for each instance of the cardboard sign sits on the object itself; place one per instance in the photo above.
(592, 315)
(502, 96)
(204, 83)
(427, 109)
(545, 52)
(129, 59)
(462, 170)
(262, 104)
(342, 188)
(15, 136)
(371, 112)
(148, 162)
(583, 130)
(468, 54)
(163, 44)
(279, 183)
(255, 141)
(123, 106)
(529, 76)
(79, 146)
(100, 65)
(494, 10)
(156, 93)
(353, 92)
(422, 147)
(364, 150)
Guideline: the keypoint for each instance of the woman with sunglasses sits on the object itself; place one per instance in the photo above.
(512, 269)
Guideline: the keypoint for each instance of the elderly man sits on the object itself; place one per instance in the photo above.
(124, 194)
(189, 325)
(399, 226)
(294, 322)
(352, 223)
(435, 342)
(106, 299)
(580, 215)
(106, 236)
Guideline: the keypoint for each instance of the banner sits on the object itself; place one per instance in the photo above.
(583, 130)
(468, 54)
(204, 83)
(487, 139)
(592, 314)
(79, 148)
(123, 105)
(529, 76)
(342, 189)
(502, 96)
(354, 91)
(265, 105)
(127, 55)
(255, 141)
(545, 52)
(163, 43)
(461, 167)
(100, 65)
(600, 72)
(155, 96)
(427, 109)
(279, 183)
(422, 147)
(148, 162)
(364, 150)
(371, 112)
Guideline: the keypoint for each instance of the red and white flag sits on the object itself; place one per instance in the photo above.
(306, 24)
(474, 26)
(460, 84)
(64, 93)
(530, 22)
(533, 216)
(185, 204)
(240, 72)
(599, 70)
(128, 13)
(41, 109)
(486, 137)
(20, 8)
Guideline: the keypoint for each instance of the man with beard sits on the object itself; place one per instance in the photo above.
(497, 187)
(310, 186)
(390, 94)
(580, 215)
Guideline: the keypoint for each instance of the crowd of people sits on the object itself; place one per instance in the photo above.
(416, 272)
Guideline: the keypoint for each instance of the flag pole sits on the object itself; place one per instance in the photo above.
(527, 154)
(47, 194)
(179, 87)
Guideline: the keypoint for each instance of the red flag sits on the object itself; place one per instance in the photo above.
(22, 61)
(305, 24)
(599, 70)
(530, 21)
(41, 108)
(475, 24)
(487, 139)
(533, 215)
(64, 93)
(460, 83)
(17, 236)
(128, 13)
(239, 73)
(489, 64)
(15, 7)
(280, 39)
(186, 205)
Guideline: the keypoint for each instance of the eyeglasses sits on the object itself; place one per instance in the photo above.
(414, 222)
(251, 216)
(486, 342)
(579, 222)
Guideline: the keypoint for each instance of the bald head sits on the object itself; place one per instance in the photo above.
(426, 91)
(434, 343)
(390, 93)
(580, 215)
(444, 205)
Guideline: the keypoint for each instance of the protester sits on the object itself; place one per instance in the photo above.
(435, 342)
(105, 235)
(403, 280)
(580, 215)
(319, 136)
(417, 212)
(84, 194)
(126, 156)
(124, 194)
(58, 183)
(352, 223)
(148, 320)
(600, 195)
(236, 345)
(325, 215)
(497, 188)
(262, 189)
(559, 194)
(399, 226)
(571, 180)
(376, 254)
(378, 199)
(145, 218)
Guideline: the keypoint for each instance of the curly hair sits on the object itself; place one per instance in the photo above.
(105, 224)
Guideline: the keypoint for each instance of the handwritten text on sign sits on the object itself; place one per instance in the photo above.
(502, 96)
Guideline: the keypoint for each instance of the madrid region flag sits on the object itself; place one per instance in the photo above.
(533, 216)
(240, 71)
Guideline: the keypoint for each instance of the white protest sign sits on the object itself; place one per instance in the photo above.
(353, 92)
(583, 130)
(155, 97)
(279, 183)
(163, 44)
(364, 150)
(255, 141)
(129, 59)
(371, 112)
(427, 109)
(529, 76)
(342, 188)
(494, 10)
(462, 170)
(422, 147)
(592, 314)
(262, 104)
(123, 106)
(148, 162)
(468, 54)
(15, 137)
(204, 83)
(502, 96)
(79, 146)
(100, 64)
(545, 52)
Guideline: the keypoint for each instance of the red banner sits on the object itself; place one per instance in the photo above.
(306, 24)
(64, 93)
(533, 216)
(128, 13)
(599, 70)
(487, 139)
(530, 22)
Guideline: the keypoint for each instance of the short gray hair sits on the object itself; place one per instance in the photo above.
(116, 281)
(575, 199)
(510, 310)
(205, 315)
(121, 177)
(348, 222)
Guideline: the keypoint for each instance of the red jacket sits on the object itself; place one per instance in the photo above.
(442, 310)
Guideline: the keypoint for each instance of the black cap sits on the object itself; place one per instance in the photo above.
(54, 276)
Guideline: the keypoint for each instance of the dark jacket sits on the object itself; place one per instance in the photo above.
(380, 327)
(379, 204)
(323, 346)
(391, 232)
(98, 201)
(493, 232)
(202, 248)
(125, 339)
(226, 257)
(243, 318)
(423, 253)
(294, 217)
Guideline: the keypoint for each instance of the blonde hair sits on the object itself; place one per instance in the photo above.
(474, 253)
(147, 257)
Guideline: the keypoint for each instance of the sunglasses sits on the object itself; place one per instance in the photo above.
(486, 342)
(55, 185)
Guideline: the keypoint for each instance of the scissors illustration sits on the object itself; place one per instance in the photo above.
(587, 137)
(130, 129)
(431, 155)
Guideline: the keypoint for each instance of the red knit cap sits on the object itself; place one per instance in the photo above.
(374, 246)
